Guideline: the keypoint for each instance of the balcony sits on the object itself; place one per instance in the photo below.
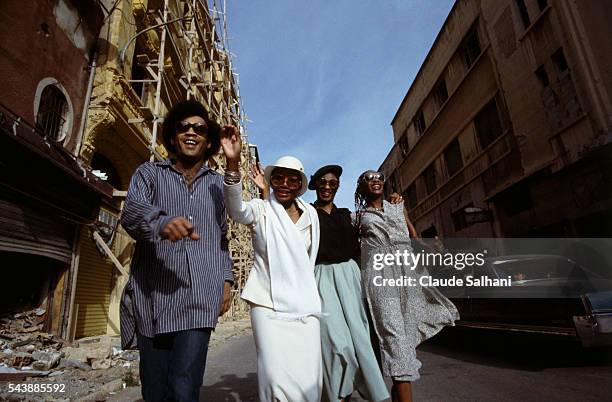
(484, 164)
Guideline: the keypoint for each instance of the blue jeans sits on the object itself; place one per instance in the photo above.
(172, 365)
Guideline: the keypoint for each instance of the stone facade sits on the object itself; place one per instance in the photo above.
(128, 103)
(506, 129)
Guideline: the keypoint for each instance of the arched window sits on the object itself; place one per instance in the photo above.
(104, 169)
(52, 114)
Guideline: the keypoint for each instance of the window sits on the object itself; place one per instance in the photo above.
(419, 123)
(403, 144)
(105, 168)
(452, 156)
(542, 4)
(139, 75)
(470, 48)
(517, 199)
(107, 225)
(390, 185)
(542, 76)
(459, 221)
(440, 92)
(52, 113)
(542, 267)
(429, 175)
(558, 59)
(523, 13)
(393, 181)
(410, 195)
(430, 232)
(487, 124)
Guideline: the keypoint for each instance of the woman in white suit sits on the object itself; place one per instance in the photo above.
(281, 288)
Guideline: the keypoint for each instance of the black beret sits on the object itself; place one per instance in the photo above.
(335, 169)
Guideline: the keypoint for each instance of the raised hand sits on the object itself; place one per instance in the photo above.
(231, 143)
(257, 175)
(179, 228)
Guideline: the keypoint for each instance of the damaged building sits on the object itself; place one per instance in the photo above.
(506, 129)
(85, 87)
(151, 55)
(47, 196)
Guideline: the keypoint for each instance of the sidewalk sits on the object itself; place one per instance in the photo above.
(229, 329)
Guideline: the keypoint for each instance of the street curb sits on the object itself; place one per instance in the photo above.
(102, 391)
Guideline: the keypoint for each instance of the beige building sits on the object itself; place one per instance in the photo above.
(151, 55)
(506, 129)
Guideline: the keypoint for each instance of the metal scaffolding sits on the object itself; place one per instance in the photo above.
(183, 47)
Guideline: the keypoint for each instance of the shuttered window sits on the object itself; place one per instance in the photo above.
(27, 230)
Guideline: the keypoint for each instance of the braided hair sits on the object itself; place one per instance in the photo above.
(360, 201)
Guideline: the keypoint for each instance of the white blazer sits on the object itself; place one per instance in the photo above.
(253, 213)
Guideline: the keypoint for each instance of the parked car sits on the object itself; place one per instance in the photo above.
(548, 294)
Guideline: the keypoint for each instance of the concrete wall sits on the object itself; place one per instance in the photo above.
(549, 124)
(459, 21)
(34, 46)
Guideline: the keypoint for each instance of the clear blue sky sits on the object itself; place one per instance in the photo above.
(321, 80)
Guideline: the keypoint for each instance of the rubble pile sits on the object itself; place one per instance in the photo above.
(26, 351)
(23, 345)
(29, 321)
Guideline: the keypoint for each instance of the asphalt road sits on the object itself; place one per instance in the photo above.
(476, 365)
(231, 372)
(458, 365)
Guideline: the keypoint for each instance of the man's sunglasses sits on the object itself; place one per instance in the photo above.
(198, 128)
(333, 183)
(370, 176)
(293, 182)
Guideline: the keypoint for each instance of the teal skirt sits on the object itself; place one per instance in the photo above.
(349, 363)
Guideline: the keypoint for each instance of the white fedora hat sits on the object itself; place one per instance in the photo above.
(288, 162)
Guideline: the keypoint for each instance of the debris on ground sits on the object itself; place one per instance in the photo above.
(83, 370)
(30, 356)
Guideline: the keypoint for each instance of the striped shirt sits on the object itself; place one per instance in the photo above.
(174, 286)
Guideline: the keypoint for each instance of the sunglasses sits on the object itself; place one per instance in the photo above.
(333, 183)
(293, 182)
(198, 128)
(370, 176)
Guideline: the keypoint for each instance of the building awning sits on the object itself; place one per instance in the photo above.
(41, 172)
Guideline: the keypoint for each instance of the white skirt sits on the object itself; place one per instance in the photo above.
(289, 363)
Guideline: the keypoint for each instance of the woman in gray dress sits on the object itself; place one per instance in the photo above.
(402, 316)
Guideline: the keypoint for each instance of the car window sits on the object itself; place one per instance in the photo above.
(450, 272)
(539, 268)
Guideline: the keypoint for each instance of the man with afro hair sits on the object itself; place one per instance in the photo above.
(180, 279)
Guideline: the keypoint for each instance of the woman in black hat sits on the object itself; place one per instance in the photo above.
(349, 362)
